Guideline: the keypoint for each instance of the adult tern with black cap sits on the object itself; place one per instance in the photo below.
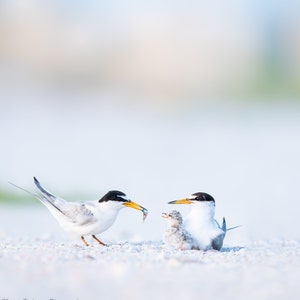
(86, 217)
(201, 223)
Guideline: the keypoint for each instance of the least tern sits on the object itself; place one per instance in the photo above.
(88, 217)
(176, 236)
(200, 222)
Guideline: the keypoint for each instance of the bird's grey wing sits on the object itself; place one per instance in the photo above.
(80, 214)
(217, 242)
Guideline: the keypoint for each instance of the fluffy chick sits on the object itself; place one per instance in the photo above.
(176, 236)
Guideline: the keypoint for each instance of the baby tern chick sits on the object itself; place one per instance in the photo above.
(176, 236)
(200, 222)
(89, 217)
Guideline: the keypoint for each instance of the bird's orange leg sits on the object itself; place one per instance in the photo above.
(101, 243)
(84, 241)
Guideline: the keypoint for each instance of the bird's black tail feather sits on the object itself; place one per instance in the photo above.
(37, 183)
(224, 226)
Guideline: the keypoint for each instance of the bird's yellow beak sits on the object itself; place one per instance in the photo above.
(133, 205)
(181, 201)
(164, 215)
(136, 206)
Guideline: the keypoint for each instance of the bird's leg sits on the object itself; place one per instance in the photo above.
(84, 241)
(101, 243)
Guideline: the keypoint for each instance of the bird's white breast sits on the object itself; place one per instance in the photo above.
(103, 215)
(200, 223)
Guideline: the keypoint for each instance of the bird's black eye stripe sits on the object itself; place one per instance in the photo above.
(113, 196)
(203, 197)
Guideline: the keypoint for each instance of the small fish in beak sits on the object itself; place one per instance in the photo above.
(136, 206)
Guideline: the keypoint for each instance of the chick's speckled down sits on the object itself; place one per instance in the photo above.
(176, 236)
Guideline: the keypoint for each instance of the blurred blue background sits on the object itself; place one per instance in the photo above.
(159, 100)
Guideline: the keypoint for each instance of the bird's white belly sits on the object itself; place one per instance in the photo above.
(97, 226)
(203, 235)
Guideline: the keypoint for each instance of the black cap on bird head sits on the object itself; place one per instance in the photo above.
(200, 196)
(114, 196)
(194, 198)
(118, 196)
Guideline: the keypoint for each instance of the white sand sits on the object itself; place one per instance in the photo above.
(53, 267)
(43, 269)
